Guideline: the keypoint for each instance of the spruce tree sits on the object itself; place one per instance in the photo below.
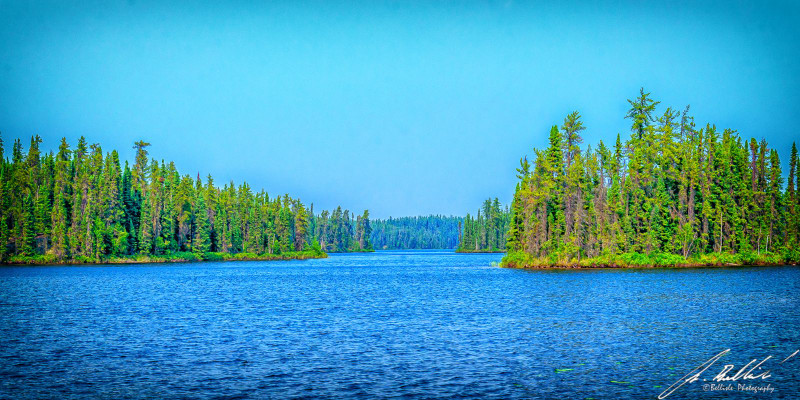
(201, 242)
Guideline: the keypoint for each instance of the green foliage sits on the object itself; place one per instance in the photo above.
(81, 206)
(428, 232)
(488, 230)
(201, 243)
(39, 259)
(518, 259)
(670, 195)
(340, 232)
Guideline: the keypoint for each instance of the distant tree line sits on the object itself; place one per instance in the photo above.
(487, 230)
(429, 232)
(341, 232)
(669, 194)
(81, 204)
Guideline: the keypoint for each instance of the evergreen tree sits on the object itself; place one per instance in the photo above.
(201, 243)
(488, 231)
(669, 189)
(301, 226)
(792, 230)
(60, 212)
(28, 238)
(423, 232)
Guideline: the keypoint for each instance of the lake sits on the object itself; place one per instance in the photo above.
(413, 324)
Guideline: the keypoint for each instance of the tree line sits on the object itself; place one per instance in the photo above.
(486, 232)
(341, 232)
(671, 193)
(80, 204)
(424, 232)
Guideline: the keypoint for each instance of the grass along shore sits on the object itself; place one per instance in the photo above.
(49, 259)
(653, 260)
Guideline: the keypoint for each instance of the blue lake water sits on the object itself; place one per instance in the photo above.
(415, 324)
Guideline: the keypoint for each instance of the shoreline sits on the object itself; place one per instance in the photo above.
(520, 260)
(166, 259)
(677, 266)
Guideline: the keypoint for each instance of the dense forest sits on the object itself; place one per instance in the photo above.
(430, 232)
(486, 232)
(339, 232)
(671, 194)
(81, 205)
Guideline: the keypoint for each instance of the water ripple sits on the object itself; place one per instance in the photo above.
(384, 325)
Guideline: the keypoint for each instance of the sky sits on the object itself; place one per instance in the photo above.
(400, 107)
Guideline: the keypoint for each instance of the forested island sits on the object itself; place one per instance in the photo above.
(406, 233)
(486, 232)
(80, 205)
(672, 194)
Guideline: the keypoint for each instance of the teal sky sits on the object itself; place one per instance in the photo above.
(404, 108)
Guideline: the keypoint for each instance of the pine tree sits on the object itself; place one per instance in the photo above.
(301, 225)
(146, 230)
(792, 235)
(775, 179)
(60, 212)
(27, 242)
(366, 230)
(201, 242)
(641, 112)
